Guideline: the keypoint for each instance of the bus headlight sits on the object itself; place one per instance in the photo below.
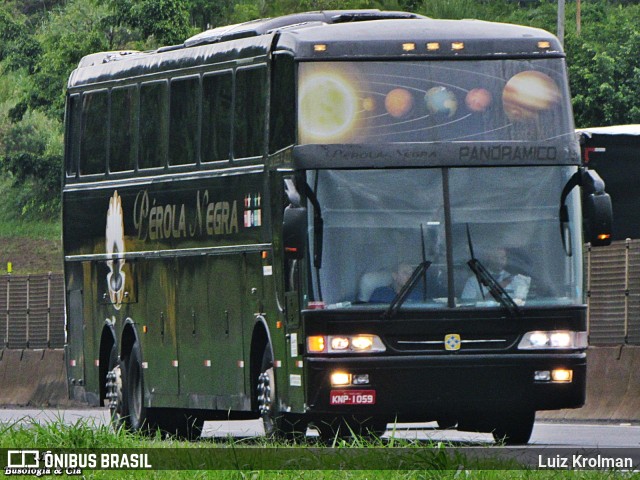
(561, 339)
(344, 344)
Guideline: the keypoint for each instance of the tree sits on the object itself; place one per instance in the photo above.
(167, 21)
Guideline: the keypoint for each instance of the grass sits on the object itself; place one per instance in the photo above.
(32, 246)
(85, 434)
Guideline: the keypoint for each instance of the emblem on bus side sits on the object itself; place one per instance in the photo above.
(115, 250)
(452, 341)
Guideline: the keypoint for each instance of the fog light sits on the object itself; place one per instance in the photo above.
(360, 379)
(340, 378)
(542, 375)
(561, 375)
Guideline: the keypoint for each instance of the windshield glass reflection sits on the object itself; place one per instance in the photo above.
(381, 225)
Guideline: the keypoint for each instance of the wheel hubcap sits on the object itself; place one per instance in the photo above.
(264, 394)
(114, 393)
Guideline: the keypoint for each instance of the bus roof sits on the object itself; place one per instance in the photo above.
(633, 130)
(342, 34)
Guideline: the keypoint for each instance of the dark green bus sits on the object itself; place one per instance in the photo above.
(338, 219)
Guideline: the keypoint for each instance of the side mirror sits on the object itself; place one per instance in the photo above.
(294, 232)
(598, 217)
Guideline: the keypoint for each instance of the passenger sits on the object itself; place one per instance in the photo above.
(495, 261)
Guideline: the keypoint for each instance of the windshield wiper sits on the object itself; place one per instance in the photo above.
(402, 295)
(485, 278)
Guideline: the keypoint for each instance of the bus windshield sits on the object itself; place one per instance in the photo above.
(380, 225)
(433, 101)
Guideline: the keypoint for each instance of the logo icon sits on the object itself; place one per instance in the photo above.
(452, 341)
(23, 459)
(115, 249)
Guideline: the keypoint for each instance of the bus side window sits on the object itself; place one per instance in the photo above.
(122, 129)
(93, 144)
(183, 121)
(153, 125)
(250, 112)
(217, 91)
(283, 103)
(73, 131)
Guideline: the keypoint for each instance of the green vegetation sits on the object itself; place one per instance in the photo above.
(41, 42)
(86, 437)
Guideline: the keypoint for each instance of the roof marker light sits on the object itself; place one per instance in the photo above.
(544, 44)
(457, 45)
(320, 47)
(408, 47)
(433, 46)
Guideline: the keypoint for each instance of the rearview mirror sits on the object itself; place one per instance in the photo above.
(598, 216)
(294, 231)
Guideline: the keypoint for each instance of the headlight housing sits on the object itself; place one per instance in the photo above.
(344, 344)
(554, 339)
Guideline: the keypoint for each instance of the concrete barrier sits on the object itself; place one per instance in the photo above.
(613, 387)
(33, 378)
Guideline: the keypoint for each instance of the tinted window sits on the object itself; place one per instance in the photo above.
(73, 130)
(216, 116)
(93, 146)
(153, 125)
(183, 128)
(123, 126)
(249, 119)
(283, 103)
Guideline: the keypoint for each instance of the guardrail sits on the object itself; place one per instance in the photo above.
(32, 311)
(613, 293)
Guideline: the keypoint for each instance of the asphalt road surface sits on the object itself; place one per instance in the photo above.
(545, 434)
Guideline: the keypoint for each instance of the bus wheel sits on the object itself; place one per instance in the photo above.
(115, 396)
(266, 391)
(134, 390)
(515, 429)
(283, 426)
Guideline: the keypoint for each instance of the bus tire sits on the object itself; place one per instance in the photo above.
(133, 389)
(114, 390)
(515, 429)
(266, 393)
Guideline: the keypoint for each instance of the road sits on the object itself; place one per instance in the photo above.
(545, 434)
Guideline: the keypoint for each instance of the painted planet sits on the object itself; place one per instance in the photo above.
(528, 93)
(398, 102)
(369, 104)
(441, 100)
(478, 99)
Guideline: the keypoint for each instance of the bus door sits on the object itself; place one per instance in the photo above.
(160, 343)
(225, 312)
(197, 357)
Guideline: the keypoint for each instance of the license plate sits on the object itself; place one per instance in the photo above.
(353, 397)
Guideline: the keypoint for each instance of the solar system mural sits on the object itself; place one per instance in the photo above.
(430, 101)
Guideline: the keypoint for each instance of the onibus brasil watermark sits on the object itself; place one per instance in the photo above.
(39, 463)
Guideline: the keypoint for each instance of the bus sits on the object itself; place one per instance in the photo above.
(613, 313)
(614, 151)
(302, 219)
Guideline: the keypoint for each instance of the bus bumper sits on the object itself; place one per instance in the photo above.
(419, 388)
